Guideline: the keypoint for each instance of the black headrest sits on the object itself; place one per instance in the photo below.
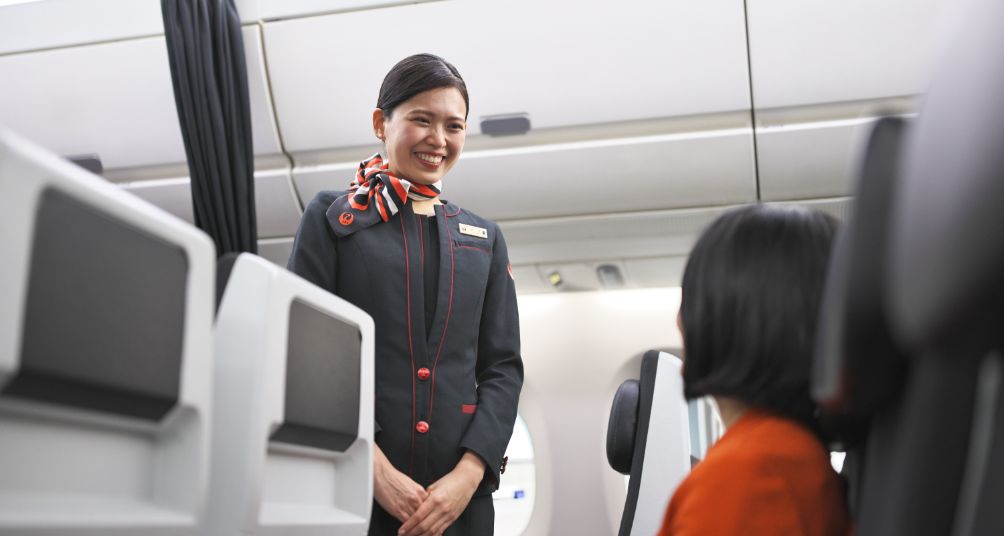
(857, 366)
(622, 426)
(947, 244)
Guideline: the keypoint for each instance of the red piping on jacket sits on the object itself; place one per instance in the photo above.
(411, 349)
(449, 311)
(421, 237)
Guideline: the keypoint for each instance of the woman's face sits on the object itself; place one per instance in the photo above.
(424, 135)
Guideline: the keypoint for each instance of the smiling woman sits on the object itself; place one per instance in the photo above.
(436, 280)
(424, 134)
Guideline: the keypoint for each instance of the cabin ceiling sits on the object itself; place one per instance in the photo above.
(648, 118)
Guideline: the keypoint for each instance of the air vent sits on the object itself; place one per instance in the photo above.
(610, 276)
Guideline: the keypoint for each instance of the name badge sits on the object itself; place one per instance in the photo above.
(471, 230)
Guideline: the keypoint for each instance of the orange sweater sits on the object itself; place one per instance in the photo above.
(766, 475)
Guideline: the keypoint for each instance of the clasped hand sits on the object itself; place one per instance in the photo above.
(426, 512)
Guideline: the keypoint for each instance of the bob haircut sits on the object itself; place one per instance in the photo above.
(417, 74)
(751, 293)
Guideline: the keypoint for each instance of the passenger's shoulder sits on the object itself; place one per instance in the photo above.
(769, 445)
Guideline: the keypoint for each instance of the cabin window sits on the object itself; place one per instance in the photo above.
(837, 460)
(705, 426)
(516, 494)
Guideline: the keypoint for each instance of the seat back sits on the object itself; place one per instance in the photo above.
(105, 353)
(946, 292)
(648, 437)
(858, 368)
(292, 448)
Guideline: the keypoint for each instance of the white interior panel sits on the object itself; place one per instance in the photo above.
(603, 176)
(812, 51)
(609, 236)
(280, 9)
(264, 133)
(276, 250)
(655, 272)
(84, 100)
(58, 23)
(275, 205)
(629, 237)
(632, 60)
(810, 160)
(528, 280)
(113, 99)
(172, 195)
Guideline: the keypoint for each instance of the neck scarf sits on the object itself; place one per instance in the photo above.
(374, 196)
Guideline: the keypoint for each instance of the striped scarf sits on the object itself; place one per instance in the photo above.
(374, 196)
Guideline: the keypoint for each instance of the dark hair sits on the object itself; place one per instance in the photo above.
(417, 74)
(751, 294)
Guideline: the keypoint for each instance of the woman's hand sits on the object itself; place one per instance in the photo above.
(448, 497)
(393, 490)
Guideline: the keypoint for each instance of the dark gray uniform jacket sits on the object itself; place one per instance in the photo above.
(472, 353)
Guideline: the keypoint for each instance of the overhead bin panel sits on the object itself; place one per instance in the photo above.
(112, 99)
(587, 177)
(60, 23)
(650, 249)
(282, 9)
(562, 62)
(115, 100)
(807, 52)
(822, 71)
(275, 205)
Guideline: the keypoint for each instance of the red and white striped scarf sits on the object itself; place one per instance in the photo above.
(374, 196)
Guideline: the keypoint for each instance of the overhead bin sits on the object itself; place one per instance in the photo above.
(83, 100)
(618, 61)
(821, 70)
(115, 100)
(649, 248)
(588, 177)
(251, 10)
(276, 207)
(61, 23)
(619, 69)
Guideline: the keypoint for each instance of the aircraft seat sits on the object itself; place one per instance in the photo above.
(946, 287)
(916, 287)
(859, 369)
(292, 445)
(648, 437)
(105, 355)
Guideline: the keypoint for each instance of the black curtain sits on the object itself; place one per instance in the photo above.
(206, 52)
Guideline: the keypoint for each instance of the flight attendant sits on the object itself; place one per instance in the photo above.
(436, 280)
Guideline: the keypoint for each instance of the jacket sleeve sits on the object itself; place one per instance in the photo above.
(315, 249)
(499, 367)
(315, 252)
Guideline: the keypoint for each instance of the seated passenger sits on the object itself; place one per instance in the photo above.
(751, 291)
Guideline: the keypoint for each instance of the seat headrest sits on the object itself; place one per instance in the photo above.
(858, 367)
(622, 426)
(947, 248)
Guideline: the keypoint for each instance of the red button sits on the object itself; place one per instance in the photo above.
(422, 427)
(423, 373)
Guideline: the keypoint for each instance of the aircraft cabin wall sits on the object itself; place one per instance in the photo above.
(649, 119)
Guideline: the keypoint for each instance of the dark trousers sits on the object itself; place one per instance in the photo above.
(477, 520)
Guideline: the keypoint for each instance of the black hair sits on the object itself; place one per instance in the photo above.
(751, 295)
(416, 74)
